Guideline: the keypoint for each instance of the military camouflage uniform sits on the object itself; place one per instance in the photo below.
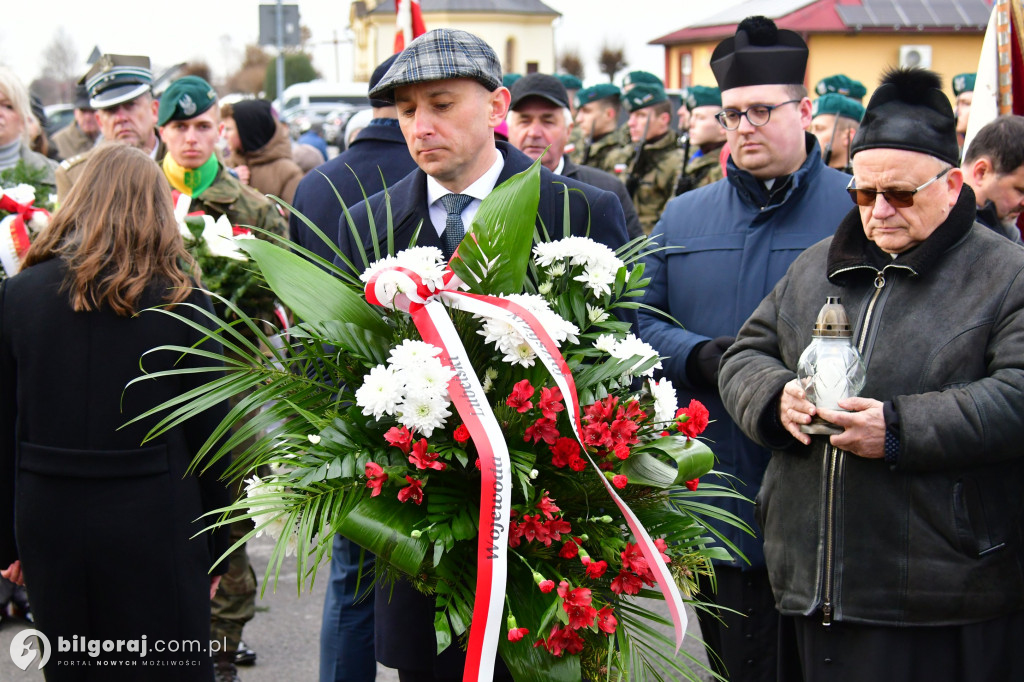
(654, 175)
(603, 151)
(701, 171)
(234, 605)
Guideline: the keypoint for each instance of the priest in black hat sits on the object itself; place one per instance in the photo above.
(728, 244)
(896, 547)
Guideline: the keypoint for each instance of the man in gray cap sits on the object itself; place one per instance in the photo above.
(447, 87)
(119, 90)
(730, 242)
(80, 136)
(895, 546)
(540, 121)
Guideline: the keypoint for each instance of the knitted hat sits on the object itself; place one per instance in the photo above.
(255, 122)
(909, 111)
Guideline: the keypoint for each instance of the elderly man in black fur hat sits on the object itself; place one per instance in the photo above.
(895, 548)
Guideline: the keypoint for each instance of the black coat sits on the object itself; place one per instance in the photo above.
(101, 523)
(404, 619)
(595, 177)
(379, 150)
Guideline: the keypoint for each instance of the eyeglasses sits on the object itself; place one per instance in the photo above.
(758, 115)
(897, 198)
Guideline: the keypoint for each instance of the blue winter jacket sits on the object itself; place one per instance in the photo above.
(729, 243)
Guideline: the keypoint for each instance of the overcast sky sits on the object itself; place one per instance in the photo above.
(218, 30)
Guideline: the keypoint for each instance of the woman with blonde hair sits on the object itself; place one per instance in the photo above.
(103, 529)
(15, 121)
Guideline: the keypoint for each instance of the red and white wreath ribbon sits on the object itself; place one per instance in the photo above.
(427, 308)
(14, 236)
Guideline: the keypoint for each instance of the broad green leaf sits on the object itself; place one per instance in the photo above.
(384, 527)
(693, 458)
(504, 228)
(526, 662)
(313, 294)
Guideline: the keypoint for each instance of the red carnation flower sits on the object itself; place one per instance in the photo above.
(546, 585)
(619, 481)
(550, 403)
(376, 478)
(517, 634)
(413, 491)
(595, 569)
(696, 419)
(563, 451)
(401, 438)
(520, 398)
(621, 451)
(461, 435)
(693, 483)
(577, 463)
(569, 550)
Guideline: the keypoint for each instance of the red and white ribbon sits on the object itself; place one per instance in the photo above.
(426, 305)
(14, 236)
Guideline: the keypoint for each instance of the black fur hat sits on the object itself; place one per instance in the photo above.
(909, 111)
(759, 54)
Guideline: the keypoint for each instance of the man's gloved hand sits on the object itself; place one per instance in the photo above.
(702, 365)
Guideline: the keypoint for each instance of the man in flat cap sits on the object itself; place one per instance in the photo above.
(993, 167)
(189, 121)
(835, 119)
(963, 92)
(447, 87)
(119, 88)
(705, 139)
(727, 245)
(896, 547)
(80, 136)
(597, 119)
(650, 166)
(539, 124)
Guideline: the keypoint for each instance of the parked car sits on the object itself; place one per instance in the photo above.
(58, 116)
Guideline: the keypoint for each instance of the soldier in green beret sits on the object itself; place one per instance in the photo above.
(651, 166)
(840, 84)
(706, 138)
(189, 122)
(963, 91)
(509, 79)
(597, 118)
(835, 119)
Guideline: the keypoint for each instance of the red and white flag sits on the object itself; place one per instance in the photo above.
(408, 23)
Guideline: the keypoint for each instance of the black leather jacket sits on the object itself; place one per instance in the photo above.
(936, 538)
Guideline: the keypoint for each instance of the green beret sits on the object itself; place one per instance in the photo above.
(837, 104)
(570, 81)
(643, 95)
(702, 96)
(185, 98)
(509, 78)
(641, 77)
(596, 92)
(963, 82)
(841, 85)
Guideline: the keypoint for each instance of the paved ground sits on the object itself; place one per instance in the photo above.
(285, 632)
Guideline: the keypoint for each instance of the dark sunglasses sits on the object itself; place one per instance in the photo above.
(897, 198)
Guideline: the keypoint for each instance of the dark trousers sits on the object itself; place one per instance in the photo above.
(989, 651)
(741, 642)
(346, 632)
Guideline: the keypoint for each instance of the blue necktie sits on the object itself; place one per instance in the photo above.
(454, 230)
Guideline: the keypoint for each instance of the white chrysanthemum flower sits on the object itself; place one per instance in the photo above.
(488, 384)
(545, 288)
(384, 263)
(430, 377)
(557, 269)
(606, 343)
(423, 413)
(631, 346)
(381, 392)
(665, 400)
(598, 279)
(596, 314)
(410, 355)
(425, 261)
(262, 509)
(520, 354)
(546, 253)
(499, 333)
(21, 194)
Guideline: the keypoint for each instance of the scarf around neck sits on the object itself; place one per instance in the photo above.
(192, 182)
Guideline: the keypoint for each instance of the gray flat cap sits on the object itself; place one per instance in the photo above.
(439, 55)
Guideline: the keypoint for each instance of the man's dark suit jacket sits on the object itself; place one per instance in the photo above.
(595, 177)
(378, 150)
(404, 618)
